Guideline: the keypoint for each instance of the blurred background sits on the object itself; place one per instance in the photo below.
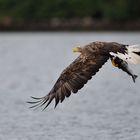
(69, 15)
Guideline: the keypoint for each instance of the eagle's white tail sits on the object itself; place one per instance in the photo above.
(132, 54)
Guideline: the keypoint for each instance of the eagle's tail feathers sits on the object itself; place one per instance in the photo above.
(132, 54)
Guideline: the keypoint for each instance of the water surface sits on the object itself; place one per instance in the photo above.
(107, 108)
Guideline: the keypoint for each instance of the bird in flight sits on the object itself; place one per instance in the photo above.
(92, 57)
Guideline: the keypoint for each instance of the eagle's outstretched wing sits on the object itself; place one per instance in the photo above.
(72, 79)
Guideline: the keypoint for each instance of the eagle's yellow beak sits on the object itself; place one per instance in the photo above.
(76, 49)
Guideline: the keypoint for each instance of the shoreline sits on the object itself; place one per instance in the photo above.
(74, 24)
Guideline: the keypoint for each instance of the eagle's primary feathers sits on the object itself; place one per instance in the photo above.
(92, 57)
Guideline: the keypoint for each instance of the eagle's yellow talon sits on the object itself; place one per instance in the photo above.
(113, 63)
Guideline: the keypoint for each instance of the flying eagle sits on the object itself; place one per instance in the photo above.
(92, 57)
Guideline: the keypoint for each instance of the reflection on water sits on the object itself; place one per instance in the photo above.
(106, 108)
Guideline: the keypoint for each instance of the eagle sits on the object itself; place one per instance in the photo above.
(92, 57)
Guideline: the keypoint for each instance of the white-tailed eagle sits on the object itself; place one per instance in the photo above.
(92, 57)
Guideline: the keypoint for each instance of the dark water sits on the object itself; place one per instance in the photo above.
(107, 108)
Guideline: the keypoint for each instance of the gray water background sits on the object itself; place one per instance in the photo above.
(107, 108)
